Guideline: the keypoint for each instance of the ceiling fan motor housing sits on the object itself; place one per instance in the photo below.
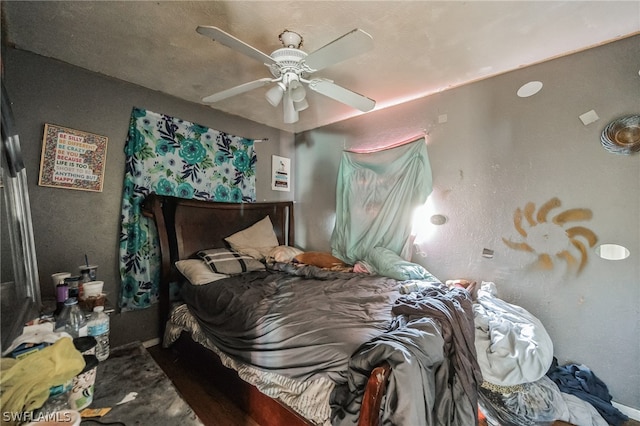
(289, 60)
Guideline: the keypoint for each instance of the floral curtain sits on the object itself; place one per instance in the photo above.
(170, 156)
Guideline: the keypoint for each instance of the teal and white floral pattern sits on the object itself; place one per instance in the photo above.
(170, 156)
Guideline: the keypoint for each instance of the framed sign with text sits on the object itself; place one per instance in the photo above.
(280, 173)
(72, 159)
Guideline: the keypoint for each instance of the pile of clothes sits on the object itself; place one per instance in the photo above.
(522, 382)
(25, 383)
(578, 380)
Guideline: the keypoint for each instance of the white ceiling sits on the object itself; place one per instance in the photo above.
(421, 47)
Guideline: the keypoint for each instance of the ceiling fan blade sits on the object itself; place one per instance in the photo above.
(236, 44)
(340, 94)
(237, 90)
(351, 44)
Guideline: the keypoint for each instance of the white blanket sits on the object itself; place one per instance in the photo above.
(512, 345)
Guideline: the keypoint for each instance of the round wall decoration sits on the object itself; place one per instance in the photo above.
(622, 136)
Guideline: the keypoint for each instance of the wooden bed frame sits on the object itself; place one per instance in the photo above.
(186, 226)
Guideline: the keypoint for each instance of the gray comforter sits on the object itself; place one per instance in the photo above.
(295, 321)
(431, 339)
(302, 322)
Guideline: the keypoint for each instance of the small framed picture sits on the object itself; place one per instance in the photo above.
(72, 159)
(281, 173)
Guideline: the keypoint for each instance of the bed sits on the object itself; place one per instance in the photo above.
(320, 346)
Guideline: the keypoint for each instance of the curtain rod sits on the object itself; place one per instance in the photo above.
(240, 136)
(395, 145)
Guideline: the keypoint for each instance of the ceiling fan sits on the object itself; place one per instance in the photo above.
(290, 67)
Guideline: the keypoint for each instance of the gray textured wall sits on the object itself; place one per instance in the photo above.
(495, 153)
(70, 223)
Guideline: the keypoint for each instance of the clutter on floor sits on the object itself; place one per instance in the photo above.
(52, 377)
(523, 385)
(47, 374)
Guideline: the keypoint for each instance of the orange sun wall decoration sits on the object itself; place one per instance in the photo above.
(556, 239)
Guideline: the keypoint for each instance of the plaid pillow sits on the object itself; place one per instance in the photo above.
(229, 262)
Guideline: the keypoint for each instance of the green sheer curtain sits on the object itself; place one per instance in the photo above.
(376, 196)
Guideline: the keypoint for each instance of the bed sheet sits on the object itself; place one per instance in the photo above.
(299, 321)
(434, 371)
(308, 398)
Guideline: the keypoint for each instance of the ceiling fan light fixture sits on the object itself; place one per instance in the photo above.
(297, 91)
(290, 113)
(301, 105)
(274, 95)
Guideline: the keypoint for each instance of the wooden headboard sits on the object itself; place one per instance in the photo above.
(186, 226)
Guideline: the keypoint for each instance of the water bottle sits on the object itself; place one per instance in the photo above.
(73, 318)
(99, 328)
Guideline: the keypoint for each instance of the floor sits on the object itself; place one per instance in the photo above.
(211, 406)
(131, 370)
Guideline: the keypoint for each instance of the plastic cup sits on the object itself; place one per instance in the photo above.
(92, 289)
(92, 270)
(58, 278)
(81, 393)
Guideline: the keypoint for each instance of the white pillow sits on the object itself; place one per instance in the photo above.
(255, 241)
(283, 254)
(197, 271)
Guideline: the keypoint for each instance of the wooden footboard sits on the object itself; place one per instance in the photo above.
(265, 410)
(372, 399)
(185, 226)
